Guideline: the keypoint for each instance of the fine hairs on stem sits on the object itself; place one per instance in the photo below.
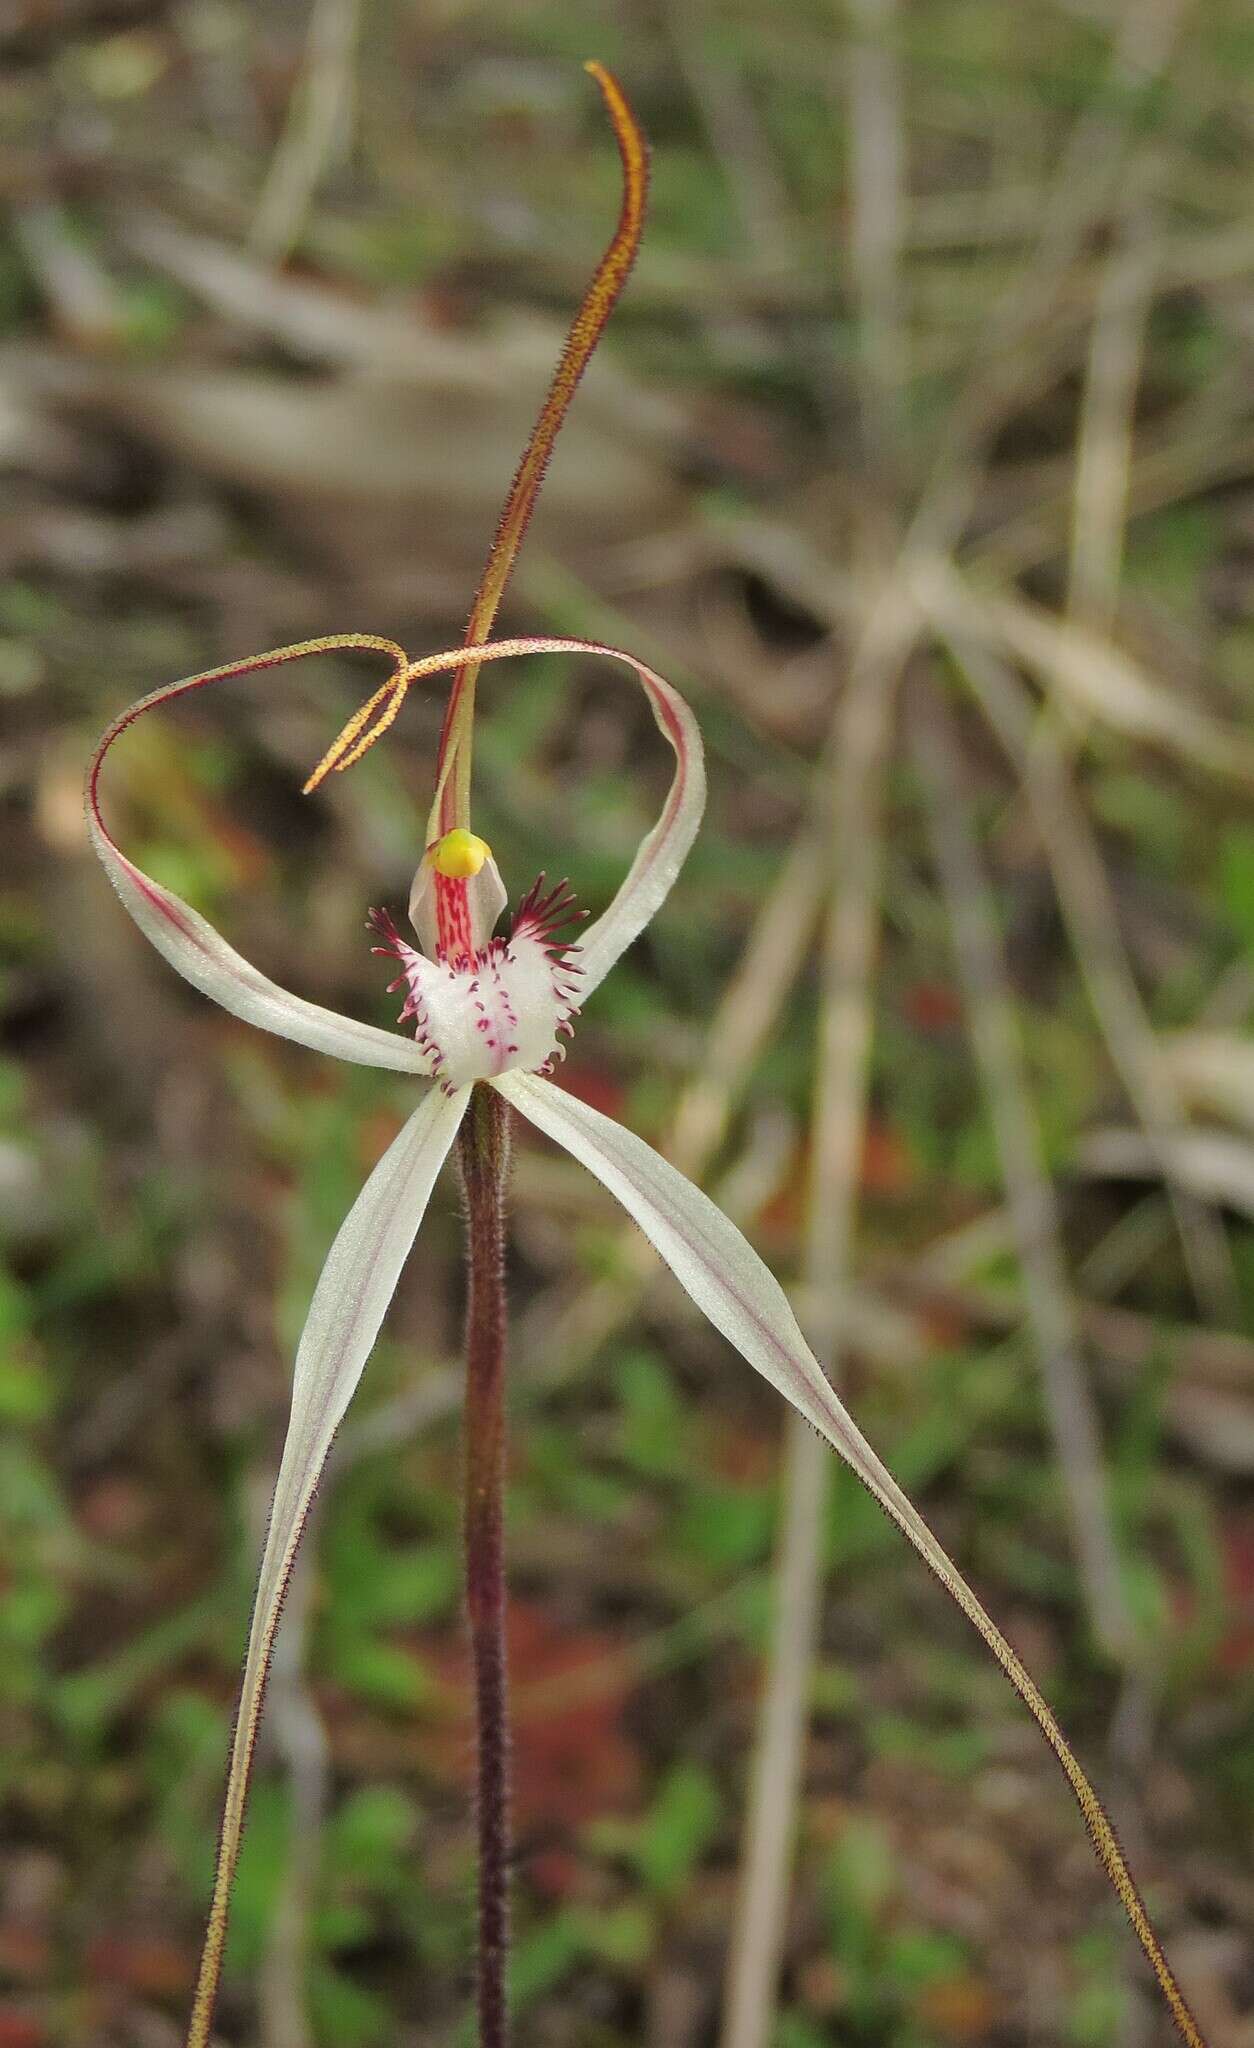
(483, 1153)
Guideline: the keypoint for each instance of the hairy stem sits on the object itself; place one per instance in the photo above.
(484, 1153)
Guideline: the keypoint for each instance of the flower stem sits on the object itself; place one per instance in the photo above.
(484, 1154)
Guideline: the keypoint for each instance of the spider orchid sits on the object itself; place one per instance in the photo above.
(488, 1012)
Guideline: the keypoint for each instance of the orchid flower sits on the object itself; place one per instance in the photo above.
(486, 1013)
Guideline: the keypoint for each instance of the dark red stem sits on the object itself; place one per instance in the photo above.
(484, 1151)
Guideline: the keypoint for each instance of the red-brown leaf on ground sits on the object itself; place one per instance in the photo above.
(21, 2030)
(597, 1086)
(1236, 1651)
(889, 1166)
(959, 2007)
(931, 1007)
(945, 1324)
(741, 1457)
(114, 1508)
(889, 1169)
(25, 1953)
(141, 1962)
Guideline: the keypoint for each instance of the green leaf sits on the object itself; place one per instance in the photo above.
(381, 1671)
(372, 1827)
(726, 1527)
(1236, 878)
(654, 1436)
(683, 1820)
(346, 2013)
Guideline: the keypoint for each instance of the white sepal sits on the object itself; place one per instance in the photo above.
(729, 1283)
(348, 1307)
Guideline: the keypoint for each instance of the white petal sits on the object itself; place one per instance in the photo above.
(663, 850)
(203, 957)
(729, 1282)
(348, 1307)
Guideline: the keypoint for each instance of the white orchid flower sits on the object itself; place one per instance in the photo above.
(492, 1008)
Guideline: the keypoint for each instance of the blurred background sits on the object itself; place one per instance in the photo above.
(921, 454)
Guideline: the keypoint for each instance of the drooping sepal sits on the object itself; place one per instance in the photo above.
(345, 1316)
(730, 1285)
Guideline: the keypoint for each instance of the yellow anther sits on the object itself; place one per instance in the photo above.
(459, 855)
